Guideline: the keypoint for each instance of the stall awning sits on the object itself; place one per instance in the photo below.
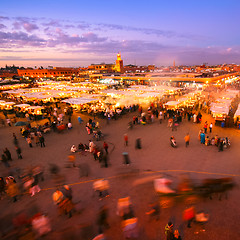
(22, 105)
(172, 103)
(79, 101)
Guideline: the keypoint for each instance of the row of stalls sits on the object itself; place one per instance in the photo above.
(185, 101)
(51, 91)
(222, 105)
(237, 116)
(21, 109)
(89, 97)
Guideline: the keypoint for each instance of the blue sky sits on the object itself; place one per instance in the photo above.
(78, 33)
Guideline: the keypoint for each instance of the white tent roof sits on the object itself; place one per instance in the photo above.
(220, 109)
(34, 107)
(172, 103)
(237, 113)
(79, 100)
(8, 103)
(22, 105)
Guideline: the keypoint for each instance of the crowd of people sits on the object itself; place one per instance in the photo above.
(28, 181)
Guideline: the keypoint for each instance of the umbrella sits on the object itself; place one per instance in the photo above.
(20, 123)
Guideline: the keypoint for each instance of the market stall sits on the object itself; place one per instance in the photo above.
(237, 116)
(172, 105)
(8, 106)
(20, 109)
(219, 111)
(35, 112)
(78, 103)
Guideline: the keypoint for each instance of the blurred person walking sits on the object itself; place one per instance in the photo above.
(12, 190)
(2, 187)
(187, 139)
(205, 127)
(42, 141)
(210, 127)
(8, 154)
(125, 139)
(105, 146)
(15, 140)
(91, 146)
(102, 217)
(29, 141)
(169, 231)
(154, 212)
(19, 152)
(189, 215)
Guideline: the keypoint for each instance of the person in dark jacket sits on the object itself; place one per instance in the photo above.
(220, 146)
(19, 152)
(8, 154)
(2, 187)
(105, 160)
(15, 140)
(105, 146)
(102, 219)
(42, 141)
(138, 144)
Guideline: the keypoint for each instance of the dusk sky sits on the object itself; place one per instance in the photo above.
(74, 33)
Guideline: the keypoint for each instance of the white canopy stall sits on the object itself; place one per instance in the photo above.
(35, 110)
(23, 107)
(237, 115)
(78, 102)
(172, 104)
(219, 111)
(7, 105)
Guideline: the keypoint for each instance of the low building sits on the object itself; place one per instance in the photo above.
(55, 72)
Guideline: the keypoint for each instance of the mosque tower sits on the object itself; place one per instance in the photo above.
(119, 63)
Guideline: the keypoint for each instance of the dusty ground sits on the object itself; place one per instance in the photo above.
(156, 158)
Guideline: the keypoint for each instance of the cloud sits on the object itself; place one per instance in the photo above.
(4, 18)
(29, 27)
(112, 46)
(19, 39)
(98, 40)
(69, 26)
(212, 55)
(53, 23)
(83, 26)
(26, 25)
(61, 38)
(2, 26)
(92, 37)
(17, 25)
(147, 31)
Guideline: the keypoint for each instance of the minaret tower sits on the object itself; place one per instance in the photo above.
(119, 63)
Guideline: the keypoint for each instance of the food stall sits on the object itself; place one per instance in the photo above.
(172, 105)
(237, 116)
(8, 106)
(22, 106)
(36, 112)
(2, 104)
(78, 103)
(219, 112)
(20, 109)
